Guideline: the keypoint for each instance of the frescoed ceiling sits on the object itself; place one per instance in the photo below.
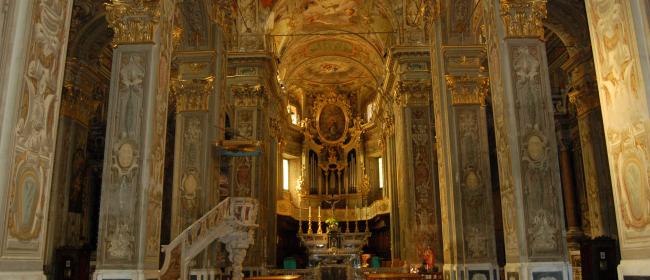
(332, 43)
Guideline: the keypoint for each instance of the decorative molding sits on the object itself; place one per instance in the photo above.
(132, 21)
(524, 18)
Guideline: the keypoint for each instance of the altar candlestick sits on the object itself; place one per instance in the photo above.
(320, 228)
(356, 221)
(309, 230)
(367, 218)
(347, 221)
(299, 219)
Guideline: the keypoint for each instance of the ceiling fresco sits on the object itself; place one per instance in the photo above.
(332, 43)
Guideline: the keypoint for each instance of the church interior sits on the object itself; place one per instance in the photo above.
(324, 139)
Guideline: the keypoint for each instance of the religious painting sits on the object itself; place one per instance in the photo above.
(331, 13)
(332, 123)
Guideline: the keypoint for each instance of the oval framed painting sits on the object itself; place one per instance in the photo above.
(332, 123)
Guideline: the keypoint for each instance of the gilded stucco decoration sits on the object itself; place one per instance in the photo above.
(133, 21)
(36, 128)
(248, 95)
(155, 170)
(505, 156)
(625, 116)
(524, 18)
(467, 90)
(192, 95)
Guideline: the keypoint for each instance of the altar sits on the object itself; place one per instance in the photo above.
(334, 254)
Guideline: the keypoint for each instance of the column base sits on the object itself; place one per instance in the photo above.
(630, 268)
(538, 270)
(126, 274)
(486, 269)
(29, 275)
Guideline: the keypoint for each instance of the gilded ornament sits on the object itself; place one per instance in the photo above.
(192, 95)
(466, 90)
(133, 21)
(524, 18)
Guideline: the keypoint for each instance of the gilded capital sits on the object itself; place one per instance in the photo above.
(192, 95)
(467, 90)
(77, 104)
(133, 21)
(248, 95)
(413, 91)
(524, 18)
(585, 102)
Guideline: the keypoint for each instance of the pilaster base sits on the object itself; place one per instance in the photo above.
(207, 274)
(452, 271)
(126, 274)
(486, 269)
(538, 270)
(630, 268)
(28, 275)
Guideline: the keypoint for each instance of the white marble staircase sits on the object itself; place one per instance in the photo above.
(232, 222)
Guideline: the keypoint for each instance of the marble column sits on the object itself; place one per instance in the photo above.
(129, 218)
(192, 150)
(529, 173)
(619, 36)
(35, 35)
(600, 214)
(467, 88)
(570, 202)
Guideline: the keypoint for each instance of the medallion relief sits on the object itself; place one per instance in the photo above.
(26, 208)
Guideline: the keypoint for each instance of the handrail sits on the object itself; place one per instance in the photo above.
(231, 221)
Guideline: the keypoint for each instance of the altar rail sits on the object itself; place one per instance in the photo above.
(232, 222)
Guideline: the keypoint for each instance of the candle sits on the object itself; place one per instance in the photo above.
(318, 211)
(310, 212)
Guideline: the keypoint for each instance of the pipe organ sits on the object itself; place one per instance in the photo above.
(333, 143)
